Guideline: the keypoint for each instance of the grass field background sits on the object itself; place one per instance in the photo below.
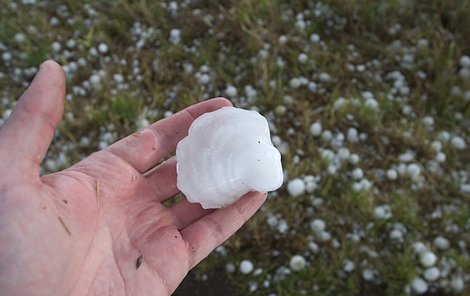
(368, 101)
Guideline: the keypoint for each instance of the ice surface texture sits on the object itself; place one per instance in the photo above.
(227, 153)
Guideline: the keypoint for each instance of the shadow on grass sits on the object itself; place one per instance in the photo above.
(216, 284)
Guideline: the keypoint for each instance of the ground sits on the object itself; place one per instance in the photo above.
(368, 101)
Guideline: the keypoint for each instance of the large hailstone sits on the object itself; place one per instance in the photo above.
(227, 153)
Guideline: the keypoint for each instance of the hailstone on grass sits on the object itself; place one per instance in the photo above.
(316, 129)
(227, 153)
(419, 247)
(441, 243)
(357, 174)
(348, 265)
(246, 267)
(296, 187)
(428, 259)
(297, 263)
(419, 286)
(315, 38)
(392, 174)
(103, 48)
(175, 36)
(457, 284)
(231, 91)
(458, 142)
(383, 212)
(431, 274)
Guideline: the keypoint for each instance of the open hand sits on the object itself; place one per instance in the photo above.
(99, 227)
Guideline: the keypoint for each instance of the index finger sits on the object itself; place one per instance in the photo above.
(145, 148)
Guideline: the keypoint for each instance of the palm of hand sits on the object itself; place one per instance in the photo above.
(99, 227)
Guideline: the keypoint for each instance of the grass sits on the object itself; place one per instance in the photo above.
(238, 43)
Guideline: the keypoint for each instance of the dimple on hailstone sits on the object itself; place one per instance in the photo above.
(227, 153)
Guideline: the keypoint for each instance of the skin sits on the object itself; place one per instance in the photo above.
(99, 227)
